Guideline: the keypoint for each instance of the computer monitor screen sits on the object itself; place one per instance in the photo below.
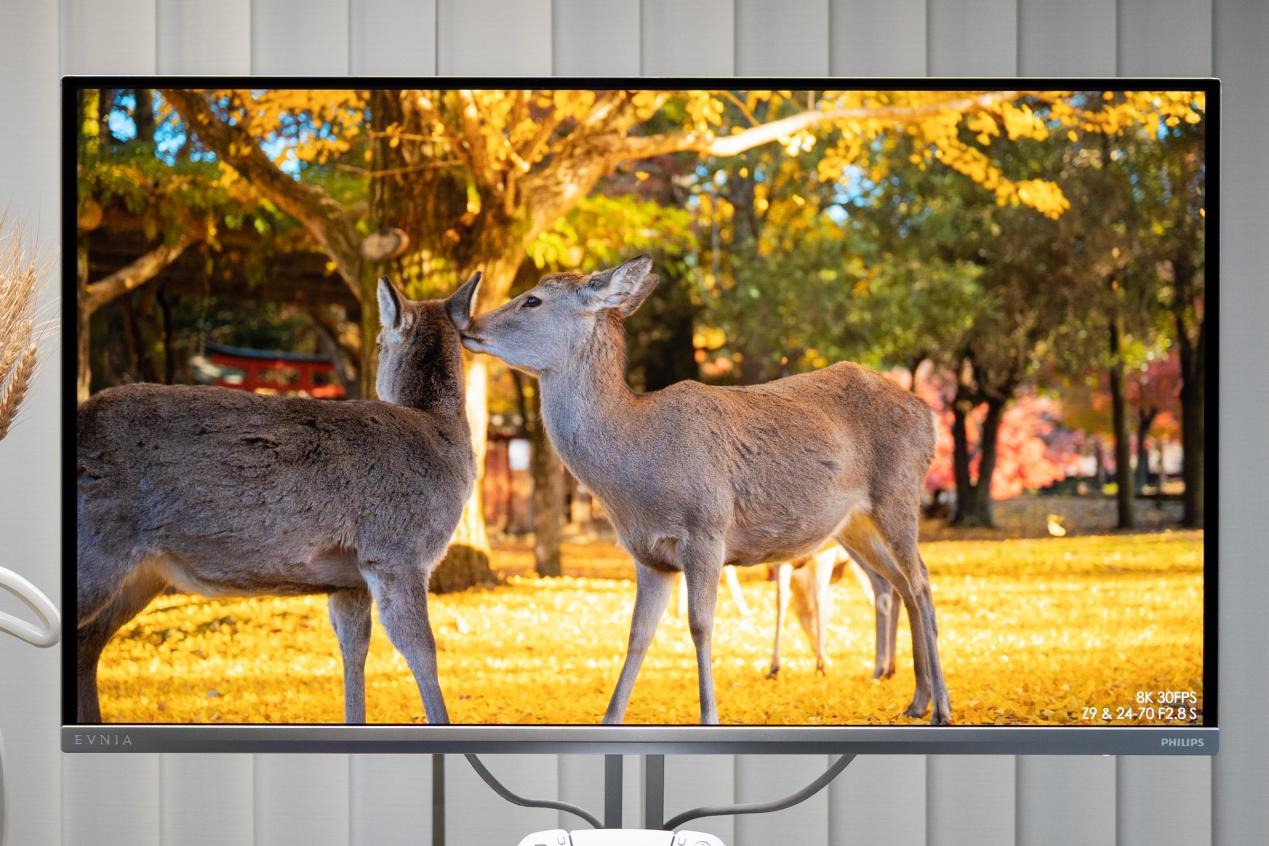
(738, 414)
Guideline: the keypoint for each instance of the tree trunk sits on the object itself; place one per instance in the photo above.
(1145, 419)
(984, 511)
(965, 491)
(84, 374)
(974, 506)
(1119, 417)
(548, 494)
(1193, 409)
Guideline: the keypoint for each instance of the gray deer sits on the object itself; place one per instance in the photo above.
(221, 493)
(696, 477)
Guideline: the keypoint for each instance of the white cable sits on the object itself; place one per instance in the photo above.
(50, 629)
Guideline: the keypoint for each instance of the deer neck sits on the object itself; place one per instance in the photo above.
(588, 408)
(431, 378)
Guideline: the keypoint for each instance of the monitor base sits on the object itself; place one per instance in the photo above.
(620, 837)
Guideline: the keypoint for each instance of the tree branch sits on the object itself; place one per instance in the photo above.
(706, 143)
(134, 275)
(315, 210)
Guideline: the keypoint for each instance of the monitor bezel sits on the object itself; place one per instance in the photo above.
(398, 738)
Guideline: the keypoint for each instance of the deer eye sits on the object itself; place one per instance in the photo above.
(531, 302)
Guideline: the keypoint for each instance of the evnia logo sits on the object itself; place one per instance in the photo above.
(1181, 741)
(103, 740)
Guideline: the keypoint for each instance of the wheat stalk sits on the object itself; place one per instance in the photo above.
(18, 275)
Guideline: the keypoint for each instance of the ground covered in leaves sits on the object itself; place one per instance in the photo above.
(1032, 631)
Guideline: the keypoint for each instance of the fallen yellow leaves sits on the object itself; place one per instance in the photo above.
(1031, 632)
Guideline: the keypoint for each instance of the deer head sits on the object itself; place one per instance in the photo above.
(420, 360)
(549, 325)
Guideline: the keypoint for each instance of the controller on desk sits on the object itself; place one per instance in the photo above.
(619, 837)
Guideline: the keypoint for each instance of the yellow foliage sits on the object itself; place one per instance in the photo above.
(1031, 632)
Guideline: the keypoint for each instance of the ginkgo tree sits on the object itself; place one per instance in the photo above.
(461, 180)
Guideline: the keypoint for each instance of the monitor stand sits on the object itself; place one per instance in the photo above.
(658, 831)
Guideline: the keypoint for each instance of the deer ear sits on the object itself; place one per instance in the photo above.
(389, 305)
(622, 288)
(462, 302)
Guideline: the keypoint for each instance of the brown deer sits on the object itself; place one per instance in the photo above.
(807, 582)
(695, 477)
(221, 492)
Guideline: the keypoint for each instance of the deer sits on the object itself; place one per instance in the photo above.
(222, 492)
(807, 582)
(695, 477)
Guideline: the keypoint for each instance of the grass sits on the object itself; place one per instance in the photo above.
(1031, 632)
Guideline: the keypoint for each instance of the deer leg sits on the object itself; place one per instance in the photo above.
(652, 595)
(886, 605)
(93, 636)
(823, 607)
(942, 714)
(863, 540)
(401, 594)
(733, 587)
(350, 617)
(784, 576)
(701, 568)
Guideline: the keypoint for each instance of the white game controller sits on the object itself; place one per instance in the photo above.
(619, 837)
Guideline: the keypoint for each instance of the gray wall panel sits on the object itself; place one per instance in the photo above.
(391, 799)
(204, 36)
(475, 814)
(110, 800)
(762, 778)
(687, 37)
(782, 39)
(299, 37)
(392, 37)
(1066, 800)
(879, 799)
(1169, 37)
(877, 39)
(206, 799)
(1241, 771)
(491, 38)
(970, 799)
(29, 685)
(301, 799)
(1165, 801)
(972, 37)
(1075, 37)
(595, 37)
(108, 36)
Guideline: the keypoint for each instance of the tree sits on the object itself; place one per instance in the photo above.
(491, 170)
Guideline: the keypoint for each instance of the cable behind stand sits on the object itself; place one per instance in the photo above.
(655, 783)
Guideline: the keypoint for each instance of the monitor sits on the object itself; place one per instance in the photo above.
(639, 415)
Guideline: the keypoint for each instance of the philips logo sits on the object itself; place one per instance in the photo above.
(103, 740)
(1183, 742)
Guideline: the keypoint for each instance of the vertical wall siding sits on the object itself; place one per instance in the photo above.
(1144, 816)
(1065, 800)
(29, 683)
(1241, 771)
(336, 799)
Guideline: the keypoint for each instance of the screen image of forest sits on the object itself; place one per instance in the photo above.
(1029, 265)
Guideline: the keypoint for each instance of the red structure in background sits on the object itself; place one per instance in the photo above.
(271, 372)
